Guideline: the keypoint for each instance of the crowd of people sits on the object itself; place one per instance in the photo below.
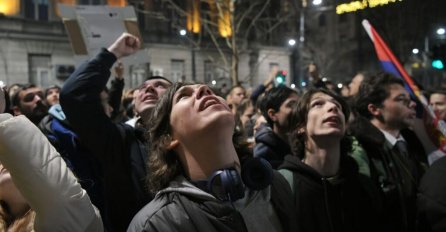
(187, 157)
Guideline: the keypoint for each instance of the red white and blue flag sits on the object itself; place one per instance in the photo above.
(391, 64)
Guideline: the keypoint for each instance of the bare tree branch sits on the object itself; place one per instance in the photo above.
(214, 40)
(245, 14)
(255, 19)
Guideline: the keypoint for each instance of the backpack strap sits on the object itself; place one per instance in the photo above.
(288, 177)
(283, 200)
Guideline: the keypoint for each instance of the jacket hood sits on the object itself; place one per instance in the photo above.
(348, 168)
(266, 136)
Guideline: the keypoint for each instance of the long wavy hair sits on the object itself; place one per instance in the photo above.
(299, 118)
(163, 164)
(8, 223)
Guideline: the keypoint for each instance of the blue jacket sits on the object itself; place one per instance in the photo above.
(271, 147)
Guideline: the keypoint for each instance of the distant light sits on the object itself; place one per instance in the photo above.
(416, 65)
(2, 84)
(292, 42)
(340, 85)
(317, 2)
(293, 86)
(324, 79)
(441, 31)
(415, 51)
(437, 64)
(304, 84)
(214, 82)
(183, 32)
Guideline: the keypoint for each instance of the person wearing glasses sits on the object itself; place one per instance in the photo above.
(120, 149)
(392, 155)
(29, 100)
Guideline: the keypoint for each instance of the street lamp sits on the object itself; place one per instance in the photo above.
(415, 51)
(440, 31)
(291, 42)
(304, 8)
(317, 2)
(183, 33)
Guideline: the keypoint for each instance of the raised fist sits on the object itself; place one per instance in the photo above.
(125, 45)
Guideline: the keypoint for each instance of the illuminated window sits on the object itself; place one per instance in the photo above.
(116, 2)
(10, 7)
(193, 16)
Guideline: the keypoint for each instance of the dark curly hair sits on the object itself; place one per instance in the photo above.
(299, 118)
(374, 90)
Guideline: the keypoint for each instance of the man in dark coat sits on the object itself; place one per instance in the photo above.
(120, 148)
(394, 158)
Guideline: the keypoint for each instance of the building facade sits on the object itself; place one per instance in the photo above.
(35, 47)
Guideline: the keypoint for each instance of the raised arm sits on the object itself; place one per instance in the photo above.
(43, 178)
(80, 98)
(115, 92)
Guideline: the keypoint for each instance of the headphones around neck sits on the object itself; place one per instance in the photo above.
(228, 185)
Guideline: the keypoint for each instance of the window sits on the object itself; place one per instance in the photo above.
(39, 70)
(177, 70)
(36, 9)
(138, 77)
(208, 71)
(322, 20)
(89, 2)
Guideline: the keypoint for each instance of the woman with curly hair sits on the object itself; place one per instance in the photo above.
(195, 171)
(329, 193)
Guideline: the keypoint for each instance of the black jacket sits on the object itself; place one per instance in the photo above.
(396, 178)
(346, 203)
(270, 147)
(119, 148)
(432, 199)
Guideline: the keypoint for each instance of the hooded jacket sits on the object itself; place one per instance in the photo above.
(270, 147)
(184, 207)
(347, 202)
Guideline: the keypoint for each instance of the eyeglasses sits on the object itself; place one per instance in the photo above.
(403, 100)
(30, 96)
